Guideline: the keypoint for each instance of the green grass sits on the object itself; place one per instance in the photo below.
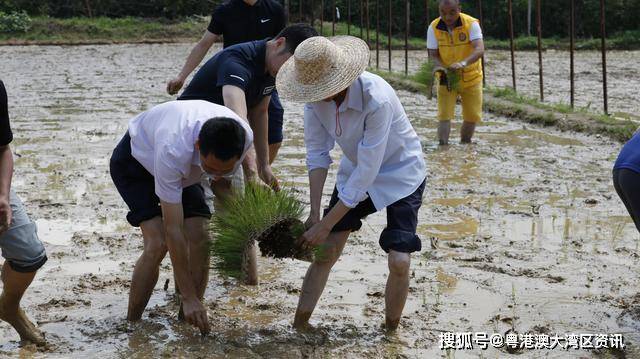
(135, 29)
(126, 29)
(244, 215)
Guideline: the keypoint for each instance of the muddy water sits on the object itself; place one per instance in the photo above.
(521, 230)
(623, 76)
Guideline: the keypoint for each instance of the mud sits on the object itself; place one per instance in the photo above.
(521, 231)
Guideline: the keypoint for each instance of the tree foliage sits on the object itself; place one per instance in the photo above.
(621, 14)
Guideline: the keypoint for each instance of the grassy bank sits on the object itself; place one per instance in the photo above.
(46, 30)
(506, 102)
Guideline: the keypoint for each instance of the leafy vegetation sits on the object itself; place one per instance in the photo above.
(14, 22)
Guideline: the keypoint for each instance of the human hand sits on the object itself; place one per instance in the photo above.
(315, 236)
(312, 220)
(196, 314)
(266, 175)
(175, 85)
(458, 66)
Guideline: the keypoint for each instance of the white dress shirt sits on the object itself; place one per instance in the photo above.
(163, 141)
(383, 156)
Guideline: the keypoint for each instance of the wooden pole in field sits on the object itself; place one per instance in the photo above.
(603, 36)
(361, 20)
(539, 31)
(513, 58)
(572, 35)
(406, 36)
(377, 34)
(484, 70)
(348, 17)
(368, 23)
(321, 17)
(390, 21)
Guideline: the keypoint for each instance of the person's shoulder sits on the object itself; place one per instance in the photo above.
(433, 24)
(242, 52)
(468, 18)
(376, 88)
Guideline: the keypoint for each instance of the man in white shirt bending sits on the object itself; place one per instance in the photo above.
(157, 168)
(382, 166)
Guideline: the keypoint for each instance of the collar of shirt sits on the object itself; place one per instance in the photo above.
(354, 97)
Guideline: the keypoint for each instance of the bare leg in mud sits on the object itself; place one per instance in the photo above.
(273, 151)
(196, 234)
(15, 284)
(466, 131)
(444, 130)
(147, 268)
(395, 295)
(316, 277)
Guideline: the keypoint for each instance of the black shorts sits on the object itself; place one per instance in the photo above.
(276, 119)
(627, 185)
(402, 221)
(137, 187)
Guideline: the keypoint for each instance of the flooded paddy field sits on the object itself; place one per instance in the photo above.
(622, 75)
(521, 230)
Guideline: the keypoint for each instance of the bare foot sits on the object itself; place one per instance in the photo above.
(301, 322)
(19, 321)
(391, 324)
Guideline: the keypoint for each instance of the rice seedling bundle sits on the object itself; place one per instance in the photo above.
(257, 214)
(426, 75)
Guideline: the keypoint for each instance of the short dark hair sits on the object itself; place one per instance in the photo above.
(223, 137)
(295, 34)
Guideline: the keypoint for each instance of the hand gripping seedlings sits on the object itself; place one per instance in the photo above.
(426, 75)
(257, 214)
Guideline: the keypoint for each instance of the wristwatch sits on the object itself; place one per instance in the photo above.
(463, 63)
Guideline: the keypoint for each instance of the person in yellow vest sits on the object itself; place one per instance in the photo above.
(454, 42)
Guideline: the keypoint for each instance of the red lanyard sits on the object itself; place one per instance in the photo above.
(338, 125)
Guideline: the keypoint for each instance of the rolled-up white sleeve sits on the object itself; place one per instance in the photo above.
(318, 141)
(370, 155)
(432, 41)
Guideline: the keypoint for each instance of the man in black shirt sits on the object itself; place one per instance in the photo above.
(239, 21)
(23, 252)
(242, 78)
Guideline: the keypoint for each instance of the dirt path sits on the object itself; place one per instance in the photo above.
(530, 234)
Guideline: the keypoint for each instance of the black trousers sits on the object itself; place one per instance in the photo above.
(627, 184)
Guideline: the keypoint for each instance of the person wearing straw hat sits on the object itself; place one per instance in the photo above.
(454, 41)
(382, 165)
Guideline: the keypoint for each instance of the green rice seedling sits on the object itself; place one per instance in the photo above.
(451, 80)
(426, 75)
(257, 214)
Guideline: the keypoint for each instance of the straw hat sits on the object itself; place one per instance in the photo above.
(321, 67)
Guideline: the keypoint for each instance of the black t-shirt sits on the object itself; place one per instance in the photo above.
(239, 65)
(6, 136)
(239, 22)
